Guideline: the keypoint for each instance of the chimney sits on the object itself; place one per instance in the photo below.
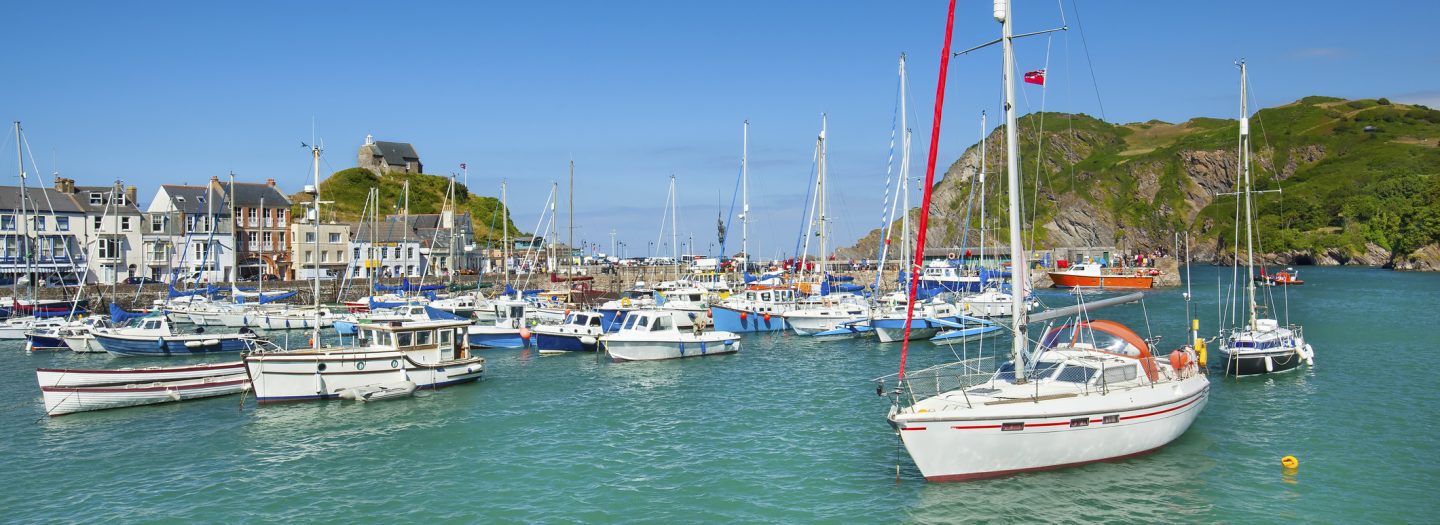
(270, 182)
(131, 193)
(214, 179)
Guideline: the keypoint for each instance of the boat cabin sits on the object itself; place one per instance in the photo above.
(439, 340)
(583, 319)
(650, 321)
(768, 296)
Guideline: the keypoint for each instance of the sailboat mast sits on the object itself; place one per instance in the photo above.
(505, 235)
(824, 120)
(674, 228)
(1020, 279)
(983, 140)
(234, 239)
(24, 232)
(570, 244)
(315, 273)
(1245, 167)
(744, 196)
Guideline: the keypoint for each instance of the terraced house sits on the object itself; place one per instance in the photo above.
(188, 235)
(111, 234)
(40, 231)
(262, 228)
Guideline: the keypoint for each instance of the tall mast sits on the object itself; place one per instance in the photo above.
(1245, 167)
(570, 244)
(505, 236)
(261, 239)
(821, 191)
(983, 140)
(405, 240)
(234, 239)
(24, 232)
(904, 170)
(315, 272)
(744, 196)
(1021, 279)
(674, 228)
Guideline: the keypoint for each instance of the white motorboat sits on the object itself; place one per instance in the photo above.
(826, 316)
(931, 316)
(79, 336)
(580, 332)
(17, 327)
(60, 400)
(125, 376)
(431, 354)
(649, 335)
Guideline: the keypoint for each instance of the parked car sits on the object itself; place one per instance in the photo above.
(141, 280)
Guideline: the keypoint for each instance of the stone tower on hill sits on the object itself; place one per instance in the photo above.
(389, 157)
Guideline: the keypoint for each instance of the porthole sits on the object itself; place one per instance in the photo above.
(394, 363)
(360, 365)
(320, 367)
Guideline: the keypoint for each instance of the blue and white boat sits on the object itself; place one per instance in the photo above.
(152, 336)
(649, 335)
(754, 311)
(508, 329)
(580, 332)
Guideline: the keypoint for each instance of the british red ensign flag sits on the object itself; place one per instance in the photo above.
(1035, 77)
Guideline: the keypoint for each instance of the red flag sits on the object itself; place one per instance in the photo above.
(1035, 77)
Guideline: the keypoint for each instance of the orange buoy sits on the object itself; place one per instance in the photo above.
(709, 313)
(524, 333)
(744, 315)
(767, 317)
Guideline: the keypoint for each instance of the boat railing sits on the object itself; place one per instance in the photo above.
(262, 346)
(926, 383)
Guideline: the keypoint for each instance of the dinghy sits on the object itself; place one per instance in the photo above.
(60, 400)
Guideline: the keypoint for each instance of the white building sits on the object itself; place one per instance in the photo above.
(189, 235)
(111, 231)
(388, 249)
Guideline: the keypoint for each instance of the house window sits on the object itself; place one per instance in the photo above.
(96, 198)
(266, 213)
(39, 223)
(357, 253)
(309, 236)
(281, 238)
(125, 224)
(334, 238)
(98, 222)
(120, 200)
(7, 222)
(157, 223)
(339, 255)
(308, 256)
(252, 238)
(253, 214)
(410, 253)
(202, 252)
(62, 224)
(280, 217)
(108, 249)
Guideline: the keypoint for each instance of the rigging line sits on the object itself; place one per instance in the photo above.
(1086, 45)
(1040, 149)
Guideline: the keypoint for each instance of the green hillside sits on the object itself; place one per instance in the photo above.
(348, 189)
(1357, 177)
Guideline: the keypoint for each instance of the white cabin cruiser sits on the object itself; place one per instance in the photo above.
(649, 335)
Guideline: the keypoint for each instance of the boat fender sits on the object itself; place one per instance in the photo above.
(587, 340)
(160, 343)
(525, 333)
(193, 344)
(744, 316)
(212, 342)
(767, 317)
(1269, 364)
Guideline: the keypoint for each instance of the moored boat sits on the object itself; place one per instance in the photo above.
(121, 376)
(60, 400)
(649, 335)
(1093, 275)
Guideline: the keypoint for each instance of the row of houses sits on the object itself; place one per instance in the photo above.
(215, 233)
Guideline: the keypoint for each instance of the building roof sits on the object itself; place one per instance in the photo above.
(395, 153)
(194, 199)
(42, 200)
(386, 231)
(250, 194)
(82, 199)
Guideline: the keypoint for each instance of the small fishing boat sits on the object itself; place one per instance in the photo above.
(79, 336)
(649, 335)
(123, 376)
(431, 354)
(60, 400)
(580, 332)
(1286, 277)
(1093, 275)
(931, 316)
(17, 327)
(153, 336)
(754, 310)
(508, 328)
(46, 339)
(826, 316)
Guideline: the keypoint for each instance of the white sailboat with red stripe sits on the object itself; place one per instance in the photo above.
(1091, 391)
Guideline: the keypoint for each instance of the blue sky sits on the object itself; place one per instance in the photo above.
(173, 92)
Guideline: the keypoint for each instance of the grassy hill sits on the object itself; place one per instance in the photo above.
(349, 187)
(1360, 181)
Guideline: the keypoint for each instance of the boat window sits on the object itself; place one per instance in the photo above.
(594, 320)
(630, 321)
(661, 323)
(445, 337)
(151, 325)
(517, 311)
(641, 323)
(423, 337)
(1076, 374)
(1043, 369)
(765, 296)
(385, 339)
(404, 339)
(1117, 374)
(572, 319)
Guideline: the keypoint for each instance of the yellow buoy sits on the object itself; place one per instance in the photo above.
(1289, 462)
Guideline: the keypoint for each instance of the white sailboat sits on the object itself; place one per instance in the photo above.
(1091, 391)
(1262, 346)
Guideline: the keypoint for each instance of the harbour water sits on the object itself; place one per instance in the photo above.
(788, 430)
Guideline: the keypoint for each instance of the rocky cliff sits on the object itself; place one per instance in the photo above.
(1344, 182)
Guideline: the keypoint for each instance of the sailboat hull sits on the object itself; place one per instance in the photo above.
(962, 449)
(1260, 363)
(731, 320)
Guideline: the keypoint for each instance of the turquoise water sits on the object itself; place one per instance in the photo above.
(788, 430)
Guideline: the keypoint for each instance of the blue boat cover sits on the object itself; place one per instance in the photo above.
(442, 315)
(118, 315)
